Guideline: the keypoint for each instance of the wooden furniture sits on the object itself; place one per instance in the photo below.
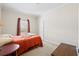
(65, 50)
(18, 26)
(9, 49)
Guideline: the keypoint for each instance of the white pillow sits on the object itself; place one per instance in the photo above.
(26, 34)
(4, 39)
(6, 35)
(30, 34)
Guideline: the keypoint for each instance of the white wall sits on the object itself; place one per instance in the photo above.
(10, 17)
(41, 27)
(78, 25)
(0, 18)
(60, 25)
(0, 13)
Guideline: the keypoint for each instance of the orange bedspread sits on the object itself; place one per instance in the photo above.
(27, 42)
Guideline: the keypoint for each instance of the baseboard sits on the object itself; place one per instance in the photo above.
(52, 42)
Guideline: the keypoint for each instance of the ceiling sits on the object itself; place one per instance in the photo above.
(32, 8)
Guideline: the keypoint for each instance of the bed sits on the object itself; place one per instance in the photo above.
(26, 41)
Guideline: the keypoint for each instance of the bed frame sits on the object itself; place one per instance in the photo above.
(27, 43)
(18, 26)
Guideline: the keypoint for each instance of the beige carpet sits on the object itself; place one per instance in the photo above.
(46, 50)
